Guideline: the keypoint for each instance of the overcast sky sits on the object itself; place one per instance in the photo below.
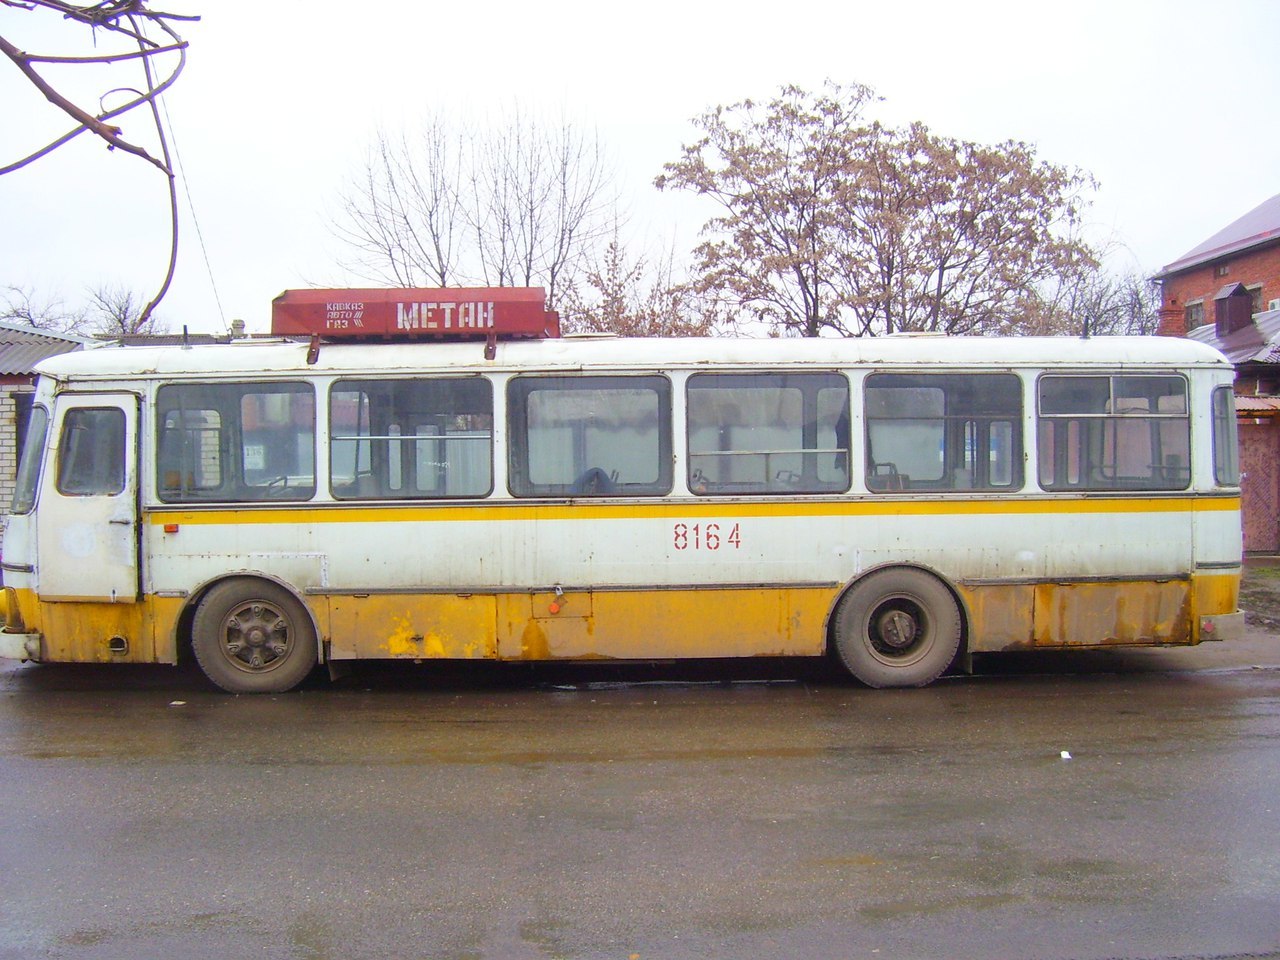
(1171, 105)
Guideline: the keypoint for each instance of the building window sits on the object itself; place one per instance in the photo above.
(1194, 314)
(1221, 270)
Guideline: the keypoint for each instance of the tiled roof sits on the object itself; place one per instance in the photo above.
(1259, 226)
(22, 347)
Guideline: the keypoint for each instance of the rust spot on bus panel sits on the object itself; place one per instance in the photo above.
(1112, 613)
(1000, 616)
(671, 624)
(534, 644)
(164, 615)
(81, 632)
(412, 626)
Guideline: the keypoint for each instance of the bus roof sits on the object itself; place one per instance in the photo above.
(258, 358)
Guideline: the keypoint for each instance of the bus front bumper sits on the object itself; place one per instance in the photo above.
(19, 646)
(1222, 626)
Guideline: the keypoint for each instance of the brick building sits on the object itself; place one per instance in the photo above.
(1245, 252)
(21, 348)
(1226, 293)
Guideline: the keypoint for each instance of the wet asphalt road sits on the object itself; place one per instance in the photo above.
(581, 813)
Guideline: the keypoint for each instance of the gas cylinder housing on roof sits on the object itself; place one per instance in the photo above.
(408, 314)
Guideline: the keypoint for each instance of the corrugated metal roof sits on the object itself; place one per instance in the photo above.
(164, 339)
(1258, 405)
(21, 348)
(1259, 342)
(1259, 226)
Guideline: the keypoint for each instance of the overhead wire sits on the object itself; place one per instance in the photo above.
(195, 220)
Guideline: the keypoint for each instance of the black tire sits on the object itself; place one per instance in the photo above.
(897, 628)
(253, 636)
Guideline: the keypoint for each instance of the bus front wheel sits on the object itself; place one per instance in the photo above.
(253, 636)
(897, 628)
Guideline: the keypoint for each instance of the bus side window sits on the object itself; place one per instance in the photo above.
(411, 439)
(91, 452)
(574, 436)
(1226, 457)
(189, 457)
(1114, 433)
(239, 442)
(943, 432)
(768, 432)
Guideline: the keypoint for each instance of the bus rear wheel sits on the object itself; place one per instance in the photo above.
(897, 628)
(253, 636)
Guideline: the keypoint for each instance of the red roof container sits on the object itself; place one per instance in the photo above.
(479, 313)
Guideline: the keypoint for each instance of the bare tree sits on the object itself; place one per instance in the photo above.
(131, 21)
(518, 204)
(111, 311)
(403, 216)
(117, 311)
(569, 220)
(21, 305)
(1095, 302)
(1133, 307)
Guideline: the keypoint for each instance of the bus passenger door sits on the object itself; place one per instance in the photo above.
(88, 509)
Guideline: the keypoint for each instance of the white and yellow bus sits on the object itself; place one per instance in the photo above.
(899, 502)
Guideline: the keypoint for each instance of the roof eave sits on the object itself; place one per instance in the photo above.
(1217, 253)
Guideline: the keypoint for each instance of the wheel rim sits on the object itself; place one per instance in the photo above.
(256, 636)
(899, 630)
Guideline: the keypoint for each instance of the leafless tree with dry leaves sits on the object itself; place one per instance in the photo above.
(635, 296)
(832, 223)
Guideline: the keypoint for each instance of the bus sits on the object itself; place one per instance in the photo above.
(270, 506)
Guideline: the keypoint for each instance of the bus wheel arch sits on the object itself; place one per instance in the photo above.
(252, 634)
(898, 626)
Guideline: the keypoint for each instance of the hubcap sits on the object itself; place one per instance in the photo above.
(898, 628)
(256, 636)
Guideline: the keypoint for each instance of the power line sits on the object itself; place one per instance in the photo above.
(186, 188)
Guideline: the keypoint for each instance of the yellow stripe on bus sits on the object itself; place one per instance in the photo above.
(400, 513)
